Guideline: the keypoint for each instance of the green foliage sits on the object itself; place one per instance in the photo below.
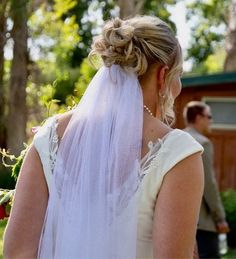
(6, 201)
(159, 8)
(5, 196)
(87, 71)
(89, 16)
(6, 180)
(65, 84)
(56, 41)
(231, 254)
(214, 63)
(229, 202)
(52, 79)
(2, 228)
(15, 167)
(208, 26)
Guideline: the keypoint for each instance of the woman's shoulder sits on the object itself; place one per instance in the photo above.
(56, 124)
(175, 146)
(47, 138)
(182, 137)
(180, 142)
(43, 133)
(62, 122)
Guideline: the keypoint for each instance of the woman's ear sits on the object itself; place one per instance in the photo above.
(161, 75)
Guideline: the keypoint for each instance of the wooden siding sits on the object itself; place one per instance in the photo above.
(224, 140)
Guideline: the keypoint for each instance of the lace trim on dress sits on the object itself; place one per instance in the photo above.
(53, 143)
(150, 160)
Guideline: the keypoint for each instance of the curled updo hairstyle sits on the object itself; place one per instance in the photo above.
(137, 43)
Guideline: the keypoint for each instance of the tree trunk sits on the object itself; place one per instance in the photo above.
(129, 8)
(17, 91)
(34, 5)
(3, 5)
(230, 61)
(126, 8)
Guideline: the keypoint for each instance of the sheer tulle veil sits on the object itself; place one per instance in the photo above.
(92, 208)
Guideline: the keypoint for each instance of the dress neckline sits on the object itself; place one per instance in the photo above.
(152, 144)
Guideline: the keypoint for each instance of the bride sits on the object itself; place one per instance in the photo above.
(111, 178)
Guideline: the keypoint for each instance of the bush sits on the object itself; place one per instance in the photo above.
(229, 202)
(6, 180)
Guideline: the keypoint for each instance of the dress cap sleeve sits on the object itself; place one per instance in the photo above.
(42, 142)
(176, 147)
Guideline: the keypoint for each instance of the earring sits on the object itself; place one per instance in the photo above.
(162, 109)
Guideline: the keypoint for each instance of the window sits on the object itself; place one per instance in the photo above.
(223, 112)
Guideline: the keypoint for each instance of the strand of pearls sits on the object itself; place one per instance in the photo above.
(148, 110)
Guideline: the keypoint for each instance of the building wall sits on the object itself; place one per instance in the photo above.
(224, 139)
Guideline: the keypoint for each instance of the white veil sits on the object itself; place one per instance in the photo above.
(92, 208)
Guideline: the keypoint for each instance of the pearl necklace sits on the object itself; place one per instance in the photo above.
(148, 110)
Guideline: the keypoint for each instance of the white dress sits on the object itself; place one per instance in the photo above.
(162, 156)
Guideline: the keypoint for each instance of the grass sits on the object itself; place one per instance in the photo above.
(230, 255)
(2, 227)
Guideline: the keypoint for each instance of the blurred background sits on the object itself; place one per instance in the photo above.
(44, 68)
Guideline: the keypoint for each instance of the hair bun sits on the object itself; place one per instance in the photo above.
(117, 22)
(135, 43)
(117, 33)
(116, 46)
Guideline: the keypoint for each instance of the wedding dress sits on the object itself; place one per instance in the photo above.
(164, 154)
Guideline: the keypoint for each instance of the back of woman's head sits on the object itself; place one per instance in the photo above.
(136, 43)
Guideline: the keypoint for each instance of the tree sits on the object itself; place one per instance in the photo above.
(230, 61)
(16, 134)
(130, 8)
(160, 9)
(88, 24)
(3, 9)
(213, 30)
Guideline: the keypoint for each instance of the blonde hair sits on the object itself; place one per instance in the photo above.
(137, 43)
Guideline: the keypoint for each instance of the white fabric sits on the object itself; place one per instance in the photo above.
(162, 156)
(92, 208)
(169, 151)
(46, 142)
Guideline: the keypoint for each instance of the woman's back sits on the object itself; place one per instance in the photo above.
(164, 152)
